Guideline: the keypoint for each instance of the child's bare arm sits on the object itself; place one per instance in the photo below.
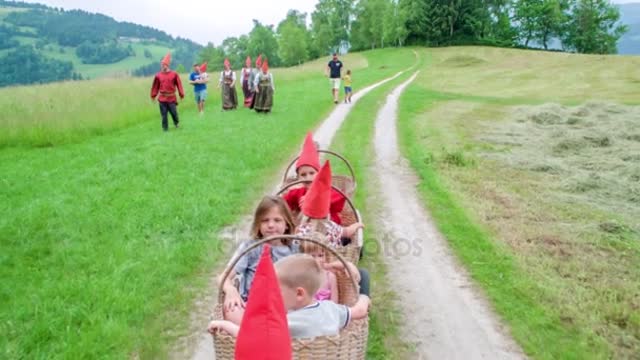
(229, 327)
(337, 266)
(349, 231)
(232, 298)
(361, 308)
(334, 287)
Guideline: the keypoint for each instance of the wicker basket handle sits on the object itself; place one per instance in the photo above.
(295, 183)
(233, 263)
(353, 174)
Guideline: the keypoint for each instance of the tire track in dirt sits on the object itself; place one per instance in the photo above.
(198, 345)
(444, 315)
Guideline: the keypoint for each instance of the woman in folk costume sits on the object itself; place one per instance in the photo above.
(263, 84)
(255, 71)
(246, 79)
(228, 85)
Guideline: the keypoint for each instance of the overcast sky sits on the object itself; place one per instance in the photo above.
(200, 20)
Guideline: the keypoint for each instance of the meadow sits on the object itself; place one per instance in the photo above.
(529, 165)
(110, 227)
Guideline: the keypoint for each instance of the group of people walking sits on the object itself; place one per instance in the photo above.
(257, 86)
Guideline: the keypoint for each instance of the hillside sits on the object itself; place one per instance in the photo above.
(629, 44)
(41, 44)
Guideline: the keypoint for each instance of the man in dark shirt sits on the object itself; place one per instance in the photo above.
(333, 71)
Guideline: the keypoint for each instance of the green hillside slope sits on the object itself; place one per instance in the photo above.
(43, 44)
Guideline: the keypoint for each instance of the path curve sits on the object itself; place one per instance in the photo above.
(198, 344)
(444, 316)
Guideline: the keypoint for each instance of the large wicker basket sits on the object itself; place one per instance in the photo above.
(350, 344)
(349, 215)
(346, 183)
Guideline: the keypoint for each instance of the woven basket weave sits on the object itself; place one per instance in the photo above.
(350, 344)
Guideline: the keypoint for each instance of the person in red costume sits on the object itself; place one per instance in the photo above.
(164, 88)
(307, 168)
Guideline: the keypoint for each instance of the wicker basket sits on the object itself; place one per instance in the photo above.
(346, 183)
(350, 344)
(349, 215)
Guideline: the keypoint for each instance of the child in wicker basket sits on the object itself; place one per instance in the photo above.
(316, 208)
(307, 168)
(300, 277)
(272, 217)
(329, 287)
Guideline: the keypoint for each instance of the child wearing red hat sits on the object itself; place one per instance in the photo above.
(299, 277)
(307, 168)
(263, 334)
(315, 211)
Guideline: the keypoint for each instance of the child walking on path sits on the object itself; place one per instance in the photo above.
(347, 87)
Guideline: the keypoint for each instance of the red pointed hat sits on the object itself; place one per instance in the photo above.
(309, 154)
(227, 63)
(259, 61)
(203, 67)
(265, 65)
(264, 331)
(247, 62)
(166, 60)
(318, 198)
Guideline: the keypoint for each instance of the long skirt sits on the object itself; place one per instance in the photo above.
(248, 94)
(229, 97)
(263, 100)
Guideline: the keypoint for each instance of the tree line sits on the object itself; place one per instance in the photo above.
(582, 26)
(24, 65)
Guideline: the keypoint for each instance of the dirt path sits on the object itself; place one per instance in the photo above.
(198, 344)
(445, 317)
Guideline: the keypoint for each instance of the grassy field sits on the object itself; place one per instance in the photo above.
(106, 239)
(119, 69)
(529, 164)
(68, 112)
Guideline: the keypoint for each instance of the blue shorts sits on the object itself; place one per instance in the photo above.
(347, 89)
(201, 95)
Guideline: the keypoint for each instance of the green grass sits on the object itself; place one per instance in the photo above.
(561, 270)
(106, 239)
(123, 67)
(60, 113)
(354, 141)
(119, 69)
